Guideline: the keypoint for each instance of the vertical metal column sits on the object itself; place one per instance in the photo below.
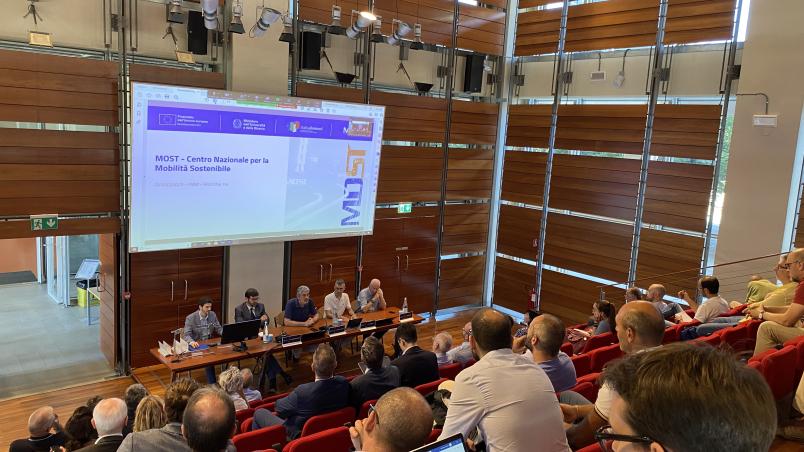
(293, 47)
(124, 281)
(720, 136)
(442, 205)
(367, 99)
(562, 37)
(506, 85)
(643, 173)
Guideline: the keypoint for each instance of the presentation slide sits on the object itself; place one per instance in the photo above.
(213, 168)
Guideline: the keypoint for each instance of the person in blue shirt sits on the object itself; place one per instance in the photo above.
(300, 311)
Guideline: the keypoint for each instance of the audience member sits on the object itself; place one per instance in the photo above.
(633, 294)
(109, 418)
(45, 432)
(377, 380)
(544, 339)
(762, 292)
(406, 423)
(150, 414)
(168, 438)
(133, 395)
(783, 326)
(248, 381)
(683, 397)
(231, 381)
(416, 366)
(639, 327)
(327, 393)
(463, 352)
(605, 314)
(507, 397)
(79, 430)
(442, 343)
(667, 309)
(209, 420)
(713, 305)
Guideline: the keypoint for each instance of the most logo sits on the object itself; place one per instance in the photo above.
(353, 185)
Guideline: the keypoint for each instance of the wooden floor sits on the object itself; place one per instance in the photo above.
(14, 413)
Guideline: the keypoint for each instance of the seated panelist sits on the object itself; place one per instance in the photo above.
(337, 304)
(251, 309)
(199, 326)
(301, 311)
(371, 298)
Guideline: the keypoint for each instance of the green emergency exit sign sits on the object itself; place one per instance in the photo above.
(404, 207)
(44, 222)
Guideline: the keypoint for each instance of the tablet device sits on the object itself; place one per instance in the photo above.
(453, 443)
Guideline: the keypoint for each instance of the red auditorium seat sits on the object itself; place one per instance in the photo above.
(586, 389)
(270, 450)
(331, 440)
(427, 388)
(713, 339)
(672, 334)
(795, 341)
(601, 340)
(450, 371)
(566, 347)
(799, 360)
(365, 407)
(328, 420)
(242, 415)
(779, 370)
(434, 434)
(469, 363)
(760, 357)
(245, 426)
(264, 400)
(736, 336)
(270, 406)
(591, 448)
(734, 311)
(756, 365)
(752, 329)
(582, 363)
(603, 355)
(591, 378)
(256, 440)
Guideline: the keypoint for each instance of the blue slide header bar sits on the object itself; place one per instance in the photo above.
(214, 121)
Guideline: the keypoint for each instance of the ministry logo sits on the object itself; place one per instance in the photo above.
(294, 126)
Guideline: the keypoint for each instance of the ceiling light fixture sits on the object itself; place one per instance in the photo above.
(335, 27)
(364, 19)
(175, 13)
(236, 24)
(417, 43)
(267, 17)
(399, 30)
(209, 9)
(376, 31)
(287, 30)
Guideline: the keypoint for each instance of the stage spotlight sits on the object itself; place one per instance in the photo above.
(287, 30)
(209, 8)
(267, 17)
(417, 43)
(335, 27)
(175, 13)
(236, 25)
(401, 30)
(376, 31)
(364, 19)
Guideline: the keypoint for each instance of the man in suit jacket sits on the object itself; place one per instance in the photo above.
(199, 326)
(377, 380)
(251, 309)
(416, 366)
(327, 393)
(109, 418)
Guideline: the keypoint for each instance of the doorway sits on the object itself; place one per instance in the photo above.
(49, 328)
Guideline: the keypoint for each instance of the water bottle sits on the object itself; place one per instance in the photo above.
(265, 332)
(405, 305)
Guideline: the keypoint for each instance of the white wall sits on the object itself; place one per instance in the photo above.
(258, 266)
(761, 164)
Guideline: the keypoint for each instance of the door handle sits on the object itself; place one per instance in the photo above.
(321, 273)
(186, 285)
(397, 263)
(171, 290)
(407, 262)
(330, 273)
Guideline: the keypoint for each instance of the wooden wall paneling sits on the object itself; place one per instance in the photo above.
(410, 174)
(107, 291)
(518, 232)
(595, 185)
(687, 131)
(318, 263)
(537, 32)
(412, 118)
(662, 252)
(461, 281)
(691, 21)
(481, 29)
(604, 128)
(593, 247)
(436, 17)
(465, 228)
(529, 125)
(534, 3)
(513, 282)
(571, 298)
(523, 177)
(473, 123)
(147, 73)
(469, 174)
(677, 195)
(313, 91)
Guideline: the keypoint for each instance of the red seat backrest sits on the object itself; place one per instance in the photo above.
(795, 341)
(736, 336)
(587, 389)
(779, 370)
(566, 347)
(603, 355)
(591, 378)
(756, 365)
(672, 334)
(450, 371)
(713, 339)
(327, 421)
(601, 340)
(331, 440)
(760, 357)
(365, 407)
(273, 436)
(583, 364)
(242, 415)
(591, 448)
(427, 388)
(434, 434)
(245, 426)
(469, 363)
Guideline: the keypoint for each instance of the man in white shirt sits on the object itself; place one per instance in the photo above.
(713, 306)
(337, 303)
(109, 417)
(463, 352)
(508, 398)
(640, 327)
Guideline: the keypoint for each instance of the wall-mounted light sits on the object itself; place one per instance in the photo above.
(236, 24)
(417, 43)
(376, 31)
(209, 9)
(175, 13)
(287, 30)
(335, 27)
(399, 30)
(364, 19)
(267, 17)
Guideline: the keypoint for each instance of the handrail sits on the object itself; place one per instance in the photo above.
(695, 269)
